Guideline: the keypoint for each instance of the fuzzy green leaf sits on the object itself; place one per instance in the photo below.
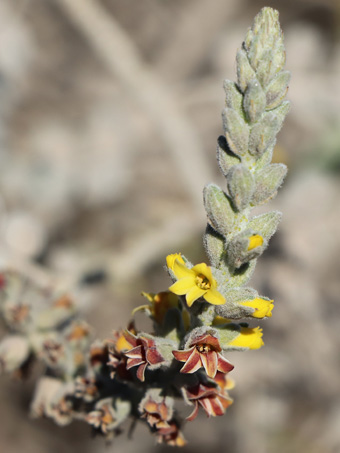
(214, 245)
(277, 89)
(240, 186)
(254, 101)
(245, 73)
(236, 131)
(218, 208)
(267, 182)
(226, 159)
(263, 134)
(266, 224)
(233, 98)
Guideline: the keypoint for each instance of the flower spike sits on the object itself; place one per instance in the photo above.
(203, 313)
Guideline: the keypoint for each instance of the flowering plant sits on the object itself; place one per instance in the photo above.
(200, 316)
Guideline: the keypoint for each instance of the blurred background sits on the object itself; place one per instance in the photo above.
(109, 115)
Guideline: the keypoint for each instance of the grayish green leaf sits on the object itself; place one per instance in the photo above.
(277, 89)
(254, 101)
(245, 73)
(240, 186)
(267, 182)
(266, 224)
(218, 208)
(236, 131)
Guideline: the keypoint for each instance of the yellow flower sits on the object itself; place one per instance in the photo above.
(255, 241)
(250, 337)
(170, 260)
(195, 282)
(263, 308)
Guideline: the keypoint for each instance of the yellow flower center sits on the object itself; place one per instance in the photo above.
(203, 348)
(202, 282)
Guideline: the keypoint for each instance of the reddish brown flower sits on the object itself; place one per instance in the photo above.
(117, 363)
(224, 382)
(143, 353)
(86, 388)
(171, 435)
(156, 409)
(78, 331)
(204, 351)
(211, 399)
(103, 417)
(99, 355)
(108, 414)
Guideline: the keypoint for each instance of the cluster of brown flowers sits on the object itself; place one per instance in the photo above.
(133, 374)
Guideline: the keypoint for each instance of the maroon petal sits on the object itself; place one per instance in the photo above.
(193, 363)
(182, 356)
(130, 338)
(209, 362)
(147, 342)
(133, 362)
(135, 353)
(193, 414)
(153, 356)
(223, 364)
(141, 372)
(217, 407)
(206, 404)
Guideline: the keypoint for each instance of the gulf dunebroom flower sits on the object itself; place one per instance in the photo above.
(249, 338)
(194, 283)
(263, 308)
(204, 351)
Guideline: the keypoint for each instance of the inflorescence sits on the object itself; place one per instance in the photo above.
(200, 317)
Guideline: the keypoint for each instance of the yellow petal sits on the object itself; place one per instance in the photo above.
(255, 241)
(194, 294)
(262, 307)
(214, 297)
(122, 344)
(218, 320)
(181, 271)
(170, 260)
(182, 286)
(203, 269)
(250, 338)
